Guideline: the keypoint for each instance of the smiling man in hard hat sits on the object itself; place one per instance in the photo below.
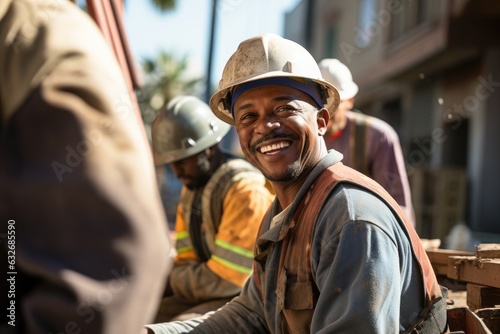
(335, 253)
(368, 144)
(222, 203)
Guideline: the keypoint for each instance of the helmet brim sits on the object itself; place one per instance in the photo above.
(220, 105)
(162, 158)
(348, 91)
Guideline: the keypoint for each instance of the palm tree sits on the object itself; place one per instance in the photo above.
(164, 5)
(167, 5)
(164, 78)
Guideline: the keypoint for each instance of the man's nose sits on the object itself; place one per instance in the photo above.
(268, 123)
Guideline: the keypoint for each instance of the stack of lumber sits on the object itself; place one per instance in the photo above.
(479, 272)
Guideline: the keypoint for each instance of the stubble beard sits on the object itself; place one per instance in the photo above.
(291, 173)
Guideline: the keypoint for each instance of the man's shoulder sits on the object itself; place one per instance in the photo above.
(351, 204)
(234, 170)
(351, 199)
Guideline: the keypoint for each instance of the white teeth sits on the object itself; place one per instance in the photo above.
(273, 147)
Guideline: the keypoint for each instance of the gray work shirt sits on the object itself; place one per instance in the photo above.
(368, 279)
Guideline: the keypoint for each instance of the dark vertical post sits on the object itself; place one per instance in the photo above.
(309, 23)
(208, 91)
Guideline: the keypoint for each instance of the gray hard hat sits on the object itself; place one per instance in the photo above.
(185, 127)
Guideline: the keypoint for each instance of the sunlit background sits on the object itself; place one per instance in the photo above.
(428, 68)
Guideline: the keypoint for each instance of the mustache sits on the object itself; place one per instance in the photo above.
(272, 136)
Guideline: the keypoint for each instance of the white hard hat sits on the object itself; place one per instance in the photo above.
(185, 127)
(340, 76)
(264, 57)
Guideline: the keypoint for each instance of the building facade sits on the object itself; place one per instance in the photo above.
(431, 69)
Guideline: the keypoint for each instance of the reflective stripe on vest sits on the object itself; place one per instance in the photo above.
(228, 255)
(183, 242)
(241, 259)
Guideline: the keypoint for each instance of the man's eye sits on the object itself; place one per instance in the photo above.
(246, 117)
(284, 109)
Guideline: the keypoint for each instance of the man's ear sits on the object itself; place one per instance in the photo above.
(322, 119)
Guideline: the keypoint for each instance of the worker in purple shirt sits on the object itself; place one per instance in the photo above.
(368, 144)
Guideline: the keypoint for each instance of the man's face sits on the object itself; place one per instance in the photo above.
(194, 171)
(339, 118)
(280, 130)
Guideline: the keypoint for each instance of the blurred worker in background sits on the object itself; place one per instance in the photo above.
(335, 253)
(86, 228)
(223, 201)
(369, 145)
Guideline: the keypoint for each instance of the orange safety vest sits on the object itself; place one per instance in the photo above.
(297, 297)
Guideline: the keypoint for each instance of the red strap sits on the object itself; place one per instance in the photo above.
(340, 173)
(309, 209)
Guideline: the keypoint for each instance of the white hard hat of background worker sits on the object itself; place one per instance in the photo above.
(340, 76)
(271, 59)
(185, 127)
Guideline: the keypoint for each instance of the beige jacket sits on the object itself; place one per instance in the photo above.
(77, 184)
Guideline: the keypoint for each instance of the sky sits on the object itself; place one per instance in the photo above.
(185, 31)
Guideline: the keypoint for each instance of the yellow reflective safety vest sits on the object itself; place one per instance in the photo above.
(233, 203)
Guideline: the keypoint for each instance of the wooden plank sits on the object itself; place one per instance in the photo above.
(439, 258)
(474, 270)
(441, 255)
(491, 318)
(480, 296)
(463, 320)
(440, 269)
(488, 251)
(430, 243)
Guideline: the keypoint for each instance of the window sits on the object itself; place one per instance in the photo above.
(413, 14)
